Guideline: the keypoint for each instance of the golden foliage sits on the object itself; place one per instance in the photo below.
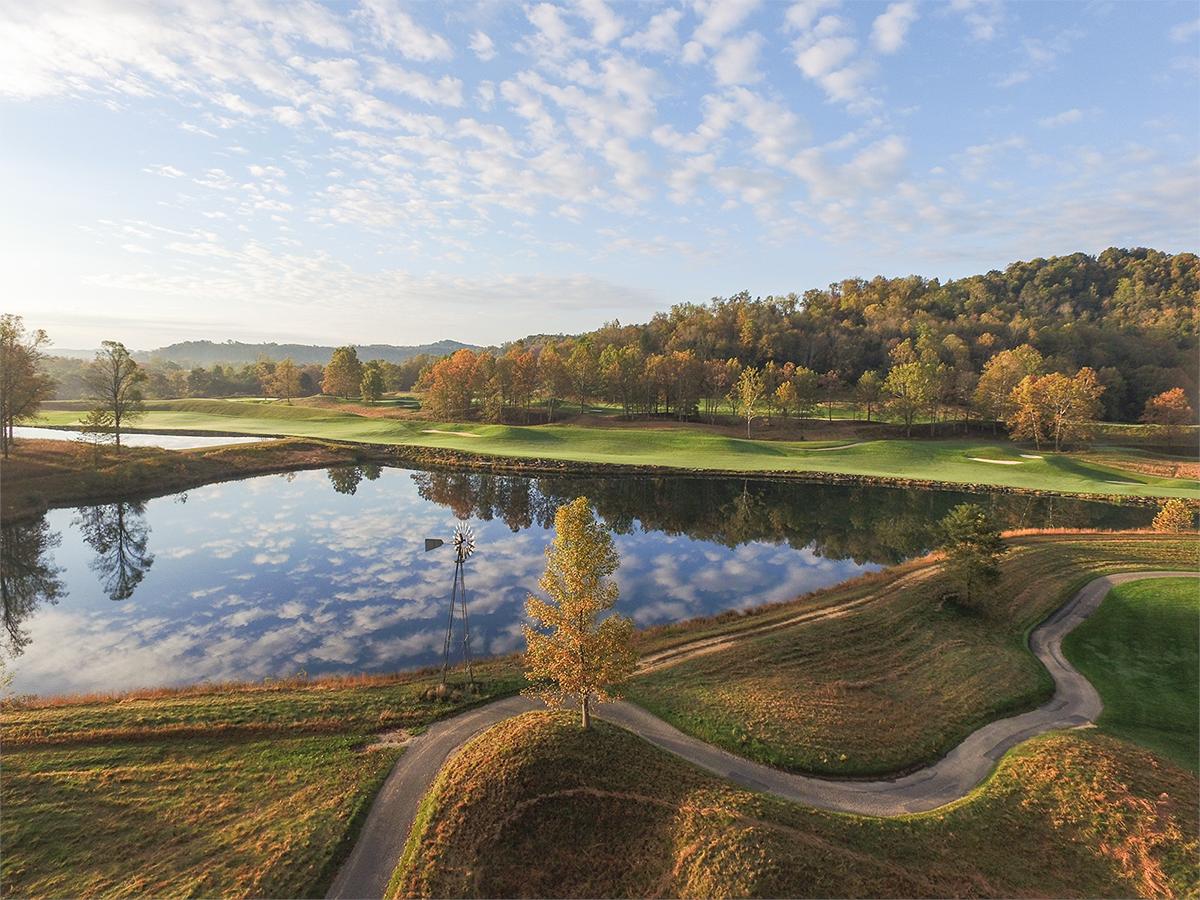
(571, 652)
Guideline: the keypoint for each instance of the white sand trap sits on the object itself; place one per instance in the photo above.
(455, 433)
(1130, 483)
(839, 447)
(998, 462)
(1031, 456)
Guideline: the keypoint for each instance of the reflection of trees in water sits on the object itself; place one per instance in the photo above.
(28, 576)
(346, 479)
(866, 524)
(118, 533)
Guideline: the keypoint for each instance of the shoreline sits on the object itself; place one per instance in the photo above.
(30, 503)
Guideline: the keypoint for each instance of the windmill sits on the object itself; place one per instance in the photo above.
(464, 546)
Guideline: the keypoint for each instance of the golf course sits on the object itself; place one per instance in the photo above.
(992, 463)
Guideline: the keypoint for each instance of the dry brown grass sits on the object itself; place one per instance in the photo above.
(537, 808)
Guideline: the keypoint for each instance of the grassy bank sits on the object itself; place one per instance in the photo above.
(960, 462)
(1141, 650)
(41, 474)
(897, 680)
(235, 791)
(536, 807)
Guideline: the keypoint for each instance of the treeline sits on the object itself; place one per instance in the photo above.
(1128, 317)
(166, 380)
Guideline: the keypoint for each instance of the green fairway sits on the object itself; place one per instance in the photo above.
(1142, 652)
(959, 461)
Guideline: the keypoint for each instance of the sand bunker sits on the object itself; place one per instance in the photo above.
(998, 462)
(455, 433)
(1031, 456)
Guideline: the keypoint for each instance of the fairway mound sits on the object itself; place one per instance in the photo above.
(536, 807)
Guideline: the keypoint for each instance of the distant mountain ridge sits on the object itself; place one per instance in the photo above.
(207, 353)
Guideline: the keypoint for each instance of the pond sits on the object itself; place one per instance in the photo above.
(137, 439)
(325, 572)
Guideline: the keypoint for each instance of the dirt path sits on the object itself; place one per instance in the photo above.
(367, 871)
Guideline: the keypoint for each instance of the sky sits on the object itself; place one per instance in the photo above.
(384, 171)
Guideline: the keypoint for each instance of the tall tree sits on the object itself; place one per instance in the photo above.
(909, 386)
(868, 391)
(973, 548)
(371, 383)
(993, 395)
(115, 382)
(285, 380)
(747, 395)
(584, 374)
(554, 378)
(572, 652)
(23, 383)
(343, 374)
(1054, 408)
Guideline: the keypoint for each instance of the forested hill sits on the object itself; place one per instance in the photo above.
(206, 353)
(1129, 314)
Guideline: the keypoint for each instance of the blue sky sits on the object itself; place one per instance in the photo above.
(388, 171)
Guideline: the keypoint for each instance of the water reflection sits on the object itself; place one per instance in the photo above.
(28, 577)
(118, 533)
(278, 574)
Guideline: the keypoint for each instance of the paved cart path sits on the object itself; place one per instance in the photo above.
(367, 871)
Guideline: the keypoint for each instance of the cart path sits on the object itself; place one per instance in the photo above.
(1075, 703)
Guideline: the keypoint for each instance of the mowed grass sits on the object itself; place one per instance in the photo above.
(953, 461)
(234, 791)
(897, 681)
(535, 807)
(1141, 650)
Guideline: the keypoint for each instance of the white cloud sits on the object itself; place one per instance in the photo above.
(607, 26)
(1066, 117)
(891, 27)
(1185, 31)
(397, 29)
(164, 170)
(482, 46)
(736, 61)
(659, 35)
(447, 91)
(1039, 55)
(983, 17)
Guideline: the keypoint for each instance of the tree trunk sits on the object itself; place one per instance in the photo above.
(585, 710)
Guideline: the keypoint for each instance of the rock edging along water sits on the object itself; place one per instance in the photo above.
(448, 458)
(1075, 703)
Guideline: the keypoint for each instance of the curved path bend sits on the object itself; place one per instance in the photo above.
(366, 872)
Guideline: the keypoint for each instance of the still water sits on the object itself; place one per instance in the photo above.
(137, 439)
(325, 571)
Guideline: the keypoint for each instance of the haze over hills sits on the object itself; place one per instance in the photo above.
(207, 353)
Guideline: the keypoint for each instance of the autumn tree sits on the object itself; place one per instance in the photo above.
(583, 373)
(993, 394)
(115, 381)
(1054, 408)
(746, 395)
(343, 374)
(1175, 515)
(371, 383)
(785, 397)
(973, 548)
(830, 384)
(868, 391)
(23, 384)
(572, 652)
(1171, 411)
(908, 386)
(450, 385)
(285, 380)
(553, 378)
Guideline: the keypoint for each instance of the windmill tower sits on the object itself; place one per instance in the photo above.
(464, 546)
